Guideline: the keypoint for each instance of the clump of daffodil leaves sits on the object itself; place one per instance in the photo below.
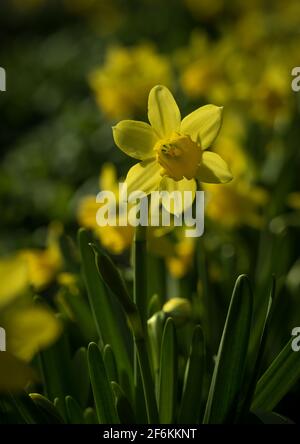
(173, 151)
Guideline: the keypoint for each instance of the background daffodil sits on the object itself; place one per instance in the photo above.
(29, 326)
(171, 150)
(117, 238)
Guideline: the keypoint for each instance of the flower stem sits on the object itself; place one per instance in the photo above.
(143, 375)
(140, 272)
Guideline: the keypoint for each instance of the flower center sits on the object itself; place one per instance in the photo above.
(178, 157)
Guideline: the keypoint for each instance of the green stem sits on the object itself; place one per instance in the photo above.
(140, 272)
(142, 365)
(147, 381)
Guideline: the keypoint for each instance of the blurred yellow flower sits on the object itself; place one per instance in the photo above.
(272, 93)
(237, 204)
(68, 280)
(43, 265)
(202, 66)
(229, 145)
(179, 309)
(293, 200)
(121, 85)
(115, 239)
(181, 261)
(13, 279)
(29, 327)
(171, 150)
(198, 66)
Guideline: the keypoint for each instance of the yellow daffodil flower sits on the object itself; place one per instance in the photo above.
(235, 205)
(28, 326)
(43, 265)
(172, 151)
(179, 309)
(13, 279)
(115, 239)
(293, 200)
(121, 85)
(181, 261)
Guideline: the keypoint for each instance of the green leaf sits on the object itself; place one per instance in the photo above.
(110, 363)
(74, 411)
(278, 379)
(112, 277)
(48, 409)
(90, 416)
(168, 374)
(191, 403)
(60, 406)
(80, 314)
(155, 331)
(28, 410)
(56, 369)
(81, 376)
(108, 316)
(272, 418)
(123, 406)
(140, 272)
(154, 305)
(101, 387)
(8, 413)
(255, 357)
(69, 253)
(229, 368)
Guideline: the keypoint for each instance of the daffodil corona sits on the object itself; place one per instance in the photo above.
(172, 151)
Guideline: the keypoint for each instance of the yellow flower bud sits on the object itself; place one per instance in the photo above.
(179, 309)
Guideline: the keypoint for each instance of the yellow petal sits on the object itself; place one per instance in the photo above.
(14, 374)
(136, 139)
(213, 169)
(30, 329)
(14, 278)
(183, 185)
(203, 125)
(144, 176)
(163, 112)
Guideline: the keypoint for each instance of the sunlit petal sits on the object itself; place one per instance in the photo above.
(213, 169)
(203, 125)
(136, 139)
(144, 176)
(163, 112)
